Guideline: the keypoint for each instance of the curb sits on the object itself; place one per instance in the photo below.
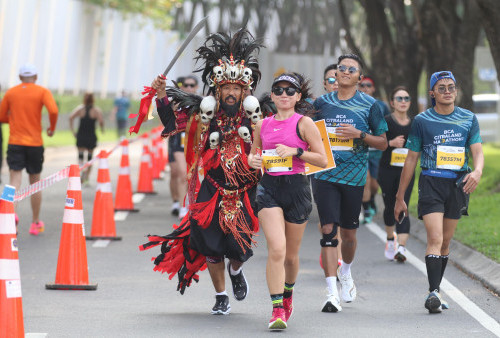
(470, 261)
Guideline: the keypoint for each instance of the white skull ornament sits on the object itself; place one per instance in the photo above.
(219, 73)
(232, 72)
(247, 75)
(214, 139)
(207, 109)
(245, 134)
(252, 108)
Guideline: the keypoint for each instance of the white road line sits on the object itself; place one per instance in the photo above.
(138, 197)
(36, 335)
(465, 303)
(101, 243)
(121, 215)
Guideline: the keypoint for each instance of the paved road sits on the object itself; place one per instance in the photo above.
(133, 301)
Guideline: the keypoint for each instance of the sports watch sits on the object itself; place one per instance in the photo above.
(300, 151)
(362, 135)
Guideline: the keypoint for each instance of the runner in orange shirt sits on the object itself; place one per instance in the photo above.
(21, 107)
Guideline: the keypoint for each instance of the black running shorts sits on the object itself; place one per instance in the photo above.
(174, 145)
(291, 193)
(20, 157)
(338, 203)
(436, 194)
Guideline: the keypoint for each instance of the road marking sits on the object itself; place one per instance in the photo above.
(138, 197)
(36, 335)
(101, 243)
(121, 215)
(465, 303)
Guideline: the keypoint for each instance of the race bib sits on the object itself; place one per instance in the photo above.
(337, 143)
(449, 157)
(275, 164)
(183, 138)
(398, 157)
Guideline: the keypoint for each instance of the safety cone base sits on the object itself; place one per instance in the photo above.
(129, 210)
(88, 287)
(147, 193)
(111, 238)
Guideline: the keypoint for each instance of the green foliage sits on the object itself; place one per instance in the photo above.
(156, 10)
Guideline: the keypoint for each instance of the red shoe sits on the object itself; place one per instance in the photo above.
(36, 228)
(278, 321)
(288, 307)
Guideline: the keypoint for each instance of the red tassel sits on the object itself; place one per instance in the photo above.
(248, 206)
(143, 109)
(203, 212)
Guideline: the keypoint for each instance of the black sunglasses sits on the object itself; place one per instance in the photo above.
(367, 85)
(331, 80)
(402, 98)
(290, 91)
(351, 70)
(188, 85)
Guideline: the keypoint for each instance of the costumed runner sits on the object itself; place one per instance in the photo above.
(221, 186)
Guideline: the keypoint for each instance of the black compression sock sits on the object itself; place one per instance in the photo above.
(444, 261)
(288, 290)
(366, 205)
(434, 265)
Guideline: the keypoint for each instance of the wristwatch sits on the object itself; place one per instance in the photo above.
(300, 151)
(362, 135)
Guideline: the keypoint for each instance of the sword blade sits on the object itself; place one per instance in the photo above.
(190, 37)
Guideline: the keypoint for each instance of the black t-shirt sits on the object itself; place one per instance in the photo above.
(395, 129)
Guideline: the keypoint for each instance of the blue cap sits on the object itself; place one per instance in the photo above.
(8, 193)
(435, 77)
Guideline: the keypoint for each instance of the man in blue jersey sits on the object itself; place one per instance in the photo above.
(120, 112)
(354, 122)
(444, 136)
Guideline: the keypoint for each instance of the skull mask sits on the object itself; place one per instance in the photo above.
(247, 75)
(252, 108)
(232, 72)
(214, 139)
(219, 73)
(207, 109)
(245, 134)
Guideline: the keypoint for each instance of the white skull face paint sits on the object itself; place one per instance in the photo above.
(252, 108)
(247, 75)
(214, 139)
(219, 73)
(245, 134)
(207, 109)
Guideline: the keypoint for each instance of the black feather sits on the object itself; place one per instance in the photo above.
(184, 99)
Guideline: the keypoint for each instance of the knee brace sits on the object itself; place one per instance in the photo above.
(80, 156)
(89, 156)
(214, 259)
(328, 240)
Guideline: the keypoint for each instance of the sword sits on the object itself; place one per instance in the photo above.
(150, 92)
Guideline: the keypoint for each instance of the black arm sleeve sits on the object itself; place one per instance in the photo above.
(167, 117)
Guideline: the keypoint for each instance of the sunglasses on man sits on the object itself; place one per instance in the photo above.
(442, 89)
(365, 85)
(351, 70)
(290, 91)
(402, 98)
(189, 85)
(331, 80)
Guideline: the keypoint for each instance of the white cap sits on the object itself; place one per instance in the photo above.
(27, 70)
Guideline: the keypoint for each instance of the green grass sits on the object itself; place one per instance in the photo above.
(481, 229)
(67, 103)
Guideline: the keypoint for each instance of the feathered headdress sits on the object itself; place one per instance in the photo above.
(229, 59)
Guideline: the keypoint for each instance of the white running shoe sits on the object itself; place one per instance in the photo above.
(332, 303)
(390, 249)
(182, 212)
(401, 254)
(174, 210)
(347, 287)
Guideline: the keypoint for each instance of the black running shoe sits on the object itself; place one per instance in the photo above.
(221, 306)
(240, 285)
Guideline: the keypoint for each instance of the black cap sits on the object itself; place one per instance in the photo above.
(287, 78)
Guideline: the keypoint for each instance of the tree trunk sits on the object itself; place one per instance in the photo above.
(490, 18)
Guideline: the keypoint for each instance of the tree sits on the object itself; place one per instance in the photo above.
(490, 14)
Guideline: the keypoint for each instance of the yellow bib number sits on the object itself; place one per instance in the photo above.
(398, 157)
(336, 143)
(275, 164)
(449, 157)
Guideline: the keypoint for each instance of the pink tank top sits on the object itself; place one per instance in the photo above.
(273, 132)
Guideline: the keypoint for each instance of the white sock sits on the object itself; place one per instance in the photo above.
(345, 268)
(223, 293)
(234, 272)
(331, 283)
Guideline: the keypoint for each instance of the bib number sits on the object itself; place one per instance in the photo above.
(336, 143)
(449, 157)
(273, 163)
(398, 157)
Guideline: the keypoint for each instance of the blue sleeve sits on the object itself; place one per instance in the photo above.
(384, 108)
(317, 105)
(414, 142)
(474, 134)
(376, 120)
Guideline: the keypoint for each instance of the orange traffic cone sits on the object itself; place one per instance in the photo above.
(145, 183)
(103, 218)
(11, 302)
(123, 195)
(72, 269)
